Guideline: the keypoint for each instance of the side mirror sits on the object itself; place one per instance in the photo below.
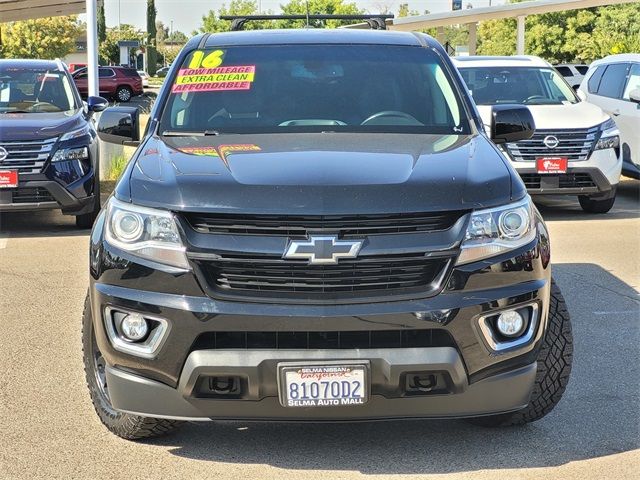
(634, 95)
(119, 125)
(97, 104)
(511, 123)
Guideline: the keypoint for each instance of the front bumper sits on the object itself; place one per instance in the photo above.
(43, 195)
(598, 175)
(500, 393)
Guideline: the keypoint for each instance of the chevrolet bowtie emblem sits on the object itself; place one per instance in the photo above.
(325, 249)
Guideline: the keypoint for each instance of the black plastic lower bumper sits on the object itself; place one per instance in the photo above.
(500, 393)
(43, 195)
(577, 181)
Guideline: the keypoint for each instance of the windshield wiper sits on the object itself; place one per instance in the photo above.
(181, 133)
(16, 111)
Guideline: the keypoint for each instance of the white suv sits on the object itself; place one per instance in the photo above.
(572, 73)
(613, 84)
(575, 149)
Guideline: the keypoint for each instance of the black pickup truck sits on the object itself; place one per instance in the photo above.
(315, 227)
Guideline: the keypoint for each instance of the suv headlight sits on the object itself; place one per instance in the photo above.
(78, 153)
(497, 230)
(609, 136)
(146, 233)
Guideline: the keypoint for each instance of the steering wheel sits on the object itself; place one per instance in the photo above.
(36, 106)
(391, 113)
(533, 97)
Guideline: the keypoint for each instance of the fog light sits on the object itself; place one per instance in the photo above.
(134, 327)
(510, 323)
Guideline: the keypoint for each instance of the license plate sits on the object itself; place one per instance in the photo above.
(8, 178)
(552, 164)
(323, 385)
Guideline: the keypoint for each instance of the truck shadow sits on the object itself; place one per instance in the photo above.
(598, 415)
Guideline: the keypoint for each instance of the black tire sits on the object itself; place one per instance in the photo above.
(595, 205)
(86, 220)
(125, 425)
(554, 369)
(123, 94)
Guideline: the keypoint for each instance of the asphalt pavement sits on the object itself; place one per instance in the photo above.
(48, 428)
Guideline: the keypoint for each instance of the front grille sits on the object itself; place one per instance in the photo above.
(31, 195)
(418, 338)
(27, 156)
(575, 145)
(535, 181)
(300, 226)
(273, 276)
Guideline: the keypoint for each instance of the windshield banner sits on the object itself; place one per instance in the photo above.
(212, 79)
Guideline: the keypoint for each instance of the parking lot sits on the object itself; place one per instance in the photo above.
(48, 427)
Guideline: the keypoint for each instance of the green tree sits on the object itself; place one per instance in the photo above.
(177, 37)
(40, 38)
(211, 22)
(102, 25)
(162, 33)
(617, 30)
(102, 31)
(573, 35)
(152, 61)
(109, 48)
(318, 7)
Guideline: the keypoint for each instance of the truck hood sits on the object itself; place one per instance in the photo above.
(562, 117)
(38, 126)
(319, 173)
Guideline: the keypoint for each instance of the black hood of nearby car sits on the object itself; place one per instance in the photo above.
(319, 173)
(38, 126)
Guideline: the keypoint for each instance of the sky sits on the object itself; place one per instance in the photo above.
(187, 14)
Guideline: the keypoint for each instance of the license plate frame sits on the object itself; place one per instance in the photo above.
(9, 178)
(360, 370)
(549, 165)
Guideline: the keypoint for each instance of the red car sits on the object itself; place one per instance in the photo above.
(119, 83)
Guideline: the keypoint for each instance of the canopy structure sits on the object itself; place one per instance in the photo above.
(14, 10)
(472, 16)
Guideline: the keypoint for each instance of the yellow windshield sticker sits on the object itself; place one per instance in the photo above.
(211, 79)
(211, 60)
(205, 73)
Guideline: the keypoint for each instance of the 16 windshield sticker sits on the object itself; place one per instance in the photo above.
(205, 73)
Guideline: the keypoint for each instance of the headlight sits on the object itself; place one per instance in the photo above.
(609, 136)
(80, 153)
(145, 232)
(497, 230)
(80, 132)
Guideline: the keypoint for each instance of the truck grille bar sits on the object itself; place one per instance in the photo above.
(269, 276)
(300, 226)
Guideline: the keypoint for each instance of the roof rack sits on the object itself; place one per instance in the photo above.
(375, 22)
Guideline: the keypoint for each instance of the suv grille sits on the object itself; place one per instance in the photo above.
(324, 340)
(272, 276)
(299, 226)
(27, 157)
(566, 180)
(576, 145)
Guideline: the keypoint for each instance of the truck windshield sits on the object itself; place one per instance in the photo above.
(523, 85)
(24, 90)
(313, 88)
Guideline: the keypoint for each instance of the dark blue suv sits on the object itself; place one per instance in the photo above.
(48, 143)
